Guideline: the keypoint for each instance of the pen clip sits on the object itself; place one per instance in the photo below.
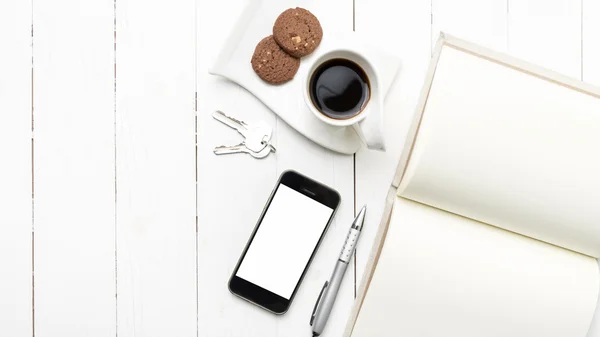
(312, 317)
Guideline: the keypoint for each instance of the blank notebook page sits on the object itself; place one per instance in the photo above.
(440, 274)
(509, 149)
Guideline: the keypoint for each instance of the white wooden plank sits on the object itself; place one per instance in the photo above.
(408, 24)
(74, 197)
(15, 170)
(591, 41)
(232, 191)
(482, 22)
(547, 33)
(591, 73)
(156, 203)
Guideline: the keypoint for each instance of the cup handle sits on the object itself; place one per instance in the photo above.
(370, 131)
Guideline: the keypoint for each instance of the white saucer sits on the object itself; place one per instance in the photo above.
(286, 100)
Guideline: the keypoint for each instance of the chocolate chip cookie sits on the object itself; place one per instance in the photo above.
(297, 31)
(272, 64)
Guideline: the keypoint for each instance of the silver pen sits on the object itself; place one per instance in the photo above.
(330, 289)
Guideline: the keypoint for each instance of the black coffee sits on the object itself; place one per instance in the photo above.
(339, 88)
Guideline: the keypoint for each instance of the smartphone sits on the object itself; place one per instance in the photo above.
(284, 242)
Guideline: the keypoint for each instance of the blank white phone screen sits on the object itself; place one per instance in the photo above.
(284, 242)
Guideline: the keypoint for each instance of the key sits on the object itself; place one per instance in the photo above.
(255, 135)
(258, 137)
(233, 123)
(267, 140)
(241, 148)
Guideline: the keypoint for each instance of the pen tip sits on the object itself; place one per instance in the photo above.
(363, 210)
(360, 218)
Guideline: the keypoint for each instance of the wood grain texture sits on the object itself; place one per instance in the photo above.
(15, 170)
(156, 208)
(74, 168)
(408, 24)
(232, 191)
(547, 33)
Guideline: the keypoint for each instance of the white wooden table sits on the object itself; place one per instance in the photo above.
(115, 216)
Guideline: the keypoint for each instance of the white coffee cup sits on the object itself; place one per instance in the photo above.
(368, 123)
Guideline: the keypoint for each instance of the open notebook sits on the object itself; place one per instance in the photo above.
(492, 226)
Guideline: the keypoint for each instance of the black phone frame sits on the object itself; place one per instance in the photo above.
(263, 297)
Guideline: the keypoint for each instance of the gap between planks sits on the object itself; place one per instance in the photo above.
(115, 162)
(32, 188)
